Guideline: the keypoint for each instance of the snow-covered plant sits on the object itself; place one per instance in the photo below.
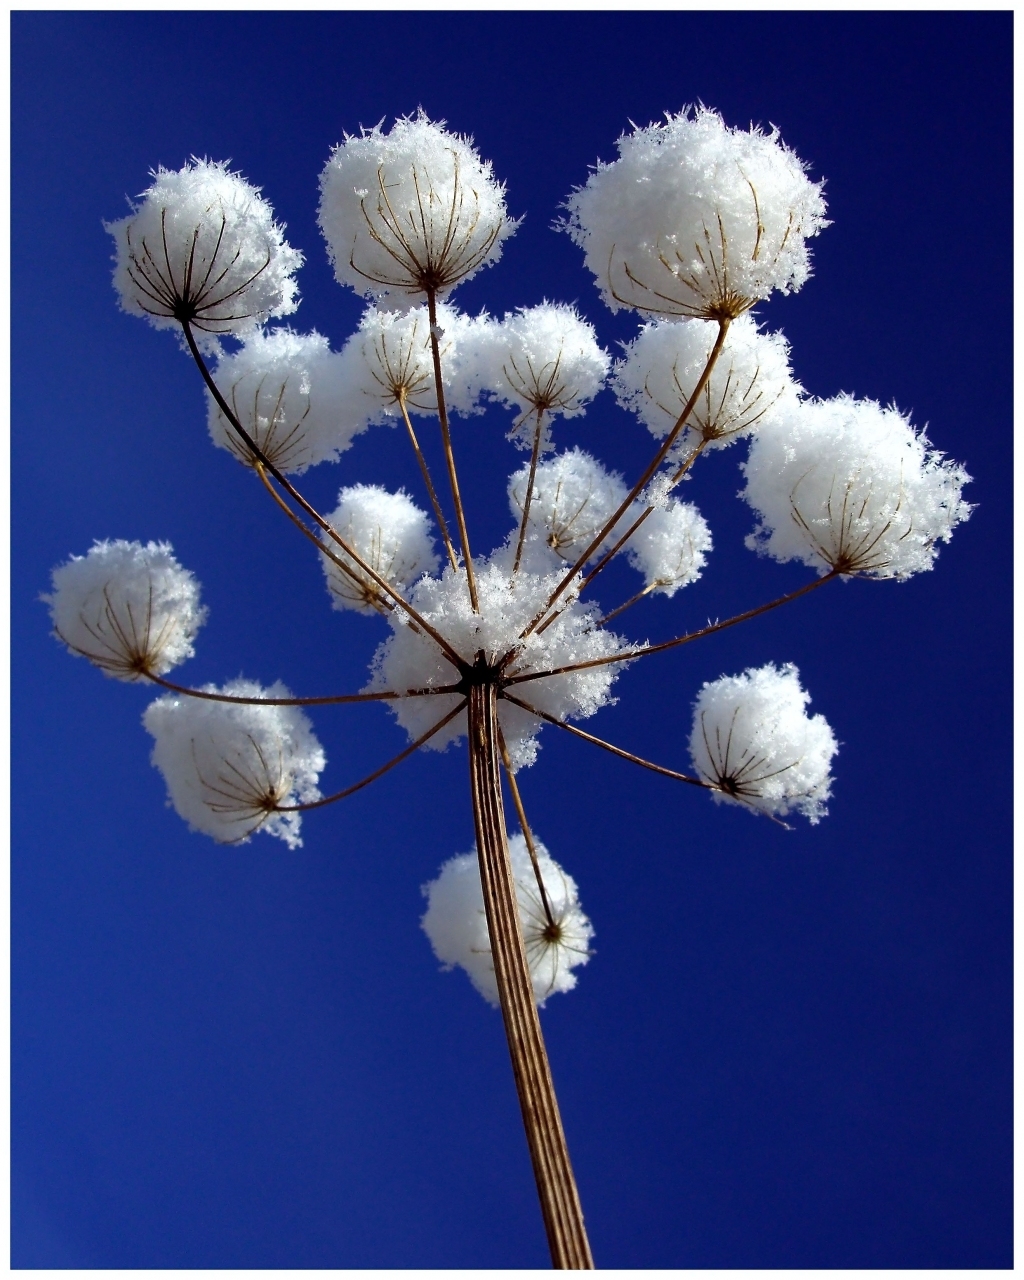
(693, 224)
(203, 246)
(848, 487)
(289, 392)
(556, 932)
(235, 767)
(697, 219)
(132, 610)
(391, 535)
(754, 743)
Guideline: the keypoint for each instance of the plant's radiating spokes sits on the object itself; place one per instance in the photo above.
(324, 701)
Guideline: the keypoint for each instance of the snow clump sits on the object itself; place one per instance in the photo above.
(411, 211)
(670, 547)
(203, 246)
(456, 924)
(132, 610)
(574, 497)
(228, 766)
(754, 743)
(844, 485)
(696, 219)
(391, 535)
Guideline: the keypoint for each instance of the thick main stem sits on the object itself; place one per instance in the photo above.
(556, 1186)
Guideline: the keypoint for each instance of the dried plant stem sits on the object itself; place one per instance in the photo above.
(659, 457)
(556, 1186)
(528, 500)
(325, 701)
(709, 630)
(438, 513)
(453, 479)
(616, 751)
(311, 511)
(629, 603)
(531, 847)
(377, 773)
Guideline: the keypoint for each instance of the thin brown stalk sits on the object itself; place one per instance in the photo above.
(311, 511)
(659, 457)
(629, 603)
(377, 773)
(616, 751)
(709, 630)
(438, 513)
(528, 500)
(327, 700)
(453, 479)
(531, 847)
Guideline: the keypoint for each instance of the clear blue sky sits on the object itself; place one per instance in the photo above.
(792, 1049)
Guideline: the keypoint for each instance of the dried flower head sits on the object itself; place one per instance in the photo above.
(411, 212)
(573, 498)
(132, 610)
(203, 246)
(696, 219)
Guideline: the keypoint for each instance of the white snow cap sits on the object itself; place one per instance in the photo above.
(289, 392)
(751, 380)
(390, 533)
(573, 498)
(408, 659)
(456, 924)
(203, 244)
(227, 765)
(130, 609)
(845, 484)
(696, 219)
(410, 210)
(670, 547)
(540, 359)
(389, 357)
(754, 742)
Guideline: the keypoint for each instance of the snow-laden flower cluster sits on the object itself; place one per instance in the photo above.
(753, 741)
(228, 766)
(132, 610)
(846, 485)
(203, 246)
(289, 392)
(696, 219)
(574, 497)
(409, 659)
(390, 533)
(750, 380)
(670, 547)
(456, 924)
(411, 211)
(542, 361)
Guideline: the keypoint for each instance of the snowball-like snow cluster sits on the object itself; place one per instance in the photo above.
(228, 766)
(541, 361)
(132, 610)
(670, 547)
(750, 380)
(408, 659)
(845, 484)
(203, 245)
(289, 392)
(696, 219)
(574, 497)
(456, 924)
(390, 533)
(754, 742)
(410, 211)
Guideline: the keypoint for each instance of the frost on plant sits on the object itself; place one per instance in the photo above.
(556, 932)
(231, 768)
(132, 610)
(754, 743)
(573, 498)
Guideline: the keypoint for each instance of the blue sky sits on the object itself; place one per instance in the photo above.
(792, 1049)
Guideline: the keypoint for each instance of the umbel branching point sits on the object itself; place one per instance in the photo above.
(690, 227)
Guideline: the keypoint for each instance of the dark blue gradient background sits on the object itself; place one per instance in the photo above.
(792, 1049)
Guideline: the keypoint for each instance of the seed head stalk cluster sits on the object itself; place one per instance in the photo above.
(495, 649)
